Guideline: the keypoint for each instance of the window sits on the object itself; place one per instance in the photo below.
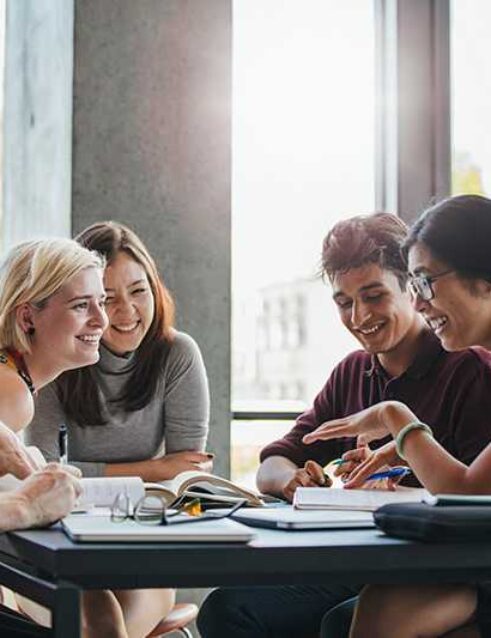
(471, 97)
(2, 68)
(303, 158)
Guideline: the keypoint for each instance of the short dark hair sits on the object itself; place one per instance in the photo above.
(457, 231)
(366, 239)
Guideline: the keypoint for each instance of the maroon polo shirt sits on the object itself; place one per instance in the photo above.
(450, 391)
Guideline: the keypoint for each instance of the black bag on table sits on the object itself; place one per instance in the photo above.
(423, 522)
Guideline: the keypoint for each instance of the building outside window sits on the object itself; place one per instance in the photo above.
(303, 158)
(470, 51)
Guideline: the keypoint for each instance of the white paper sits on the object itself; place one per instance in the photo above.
(102, 491)
(366, 500)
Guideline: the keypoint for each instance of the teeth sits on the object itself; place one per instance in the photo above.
(89, 338)
(437, 323)
(127, 328)
(370, 331)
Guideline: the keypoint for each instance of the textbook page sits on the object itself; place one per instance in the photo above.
(101, 491)
(363, 500)
(223, 489)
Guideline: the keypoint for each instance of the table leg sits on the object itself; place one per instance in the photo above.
(66, 612)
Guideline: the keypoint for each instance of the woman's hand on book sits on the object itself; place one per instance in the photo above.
(168, 466)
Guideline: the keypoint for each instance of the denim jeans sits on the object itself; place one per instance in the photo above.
(291, 611)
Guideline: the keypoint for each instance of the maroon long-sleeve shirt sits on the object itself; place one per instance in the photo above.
(451, 391)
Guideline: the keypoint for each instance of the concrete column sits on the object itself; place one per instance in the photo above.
(151, 148)
(37, 119)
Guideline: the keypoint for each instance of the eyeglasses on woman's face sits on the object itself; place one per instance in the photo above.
(422, 285)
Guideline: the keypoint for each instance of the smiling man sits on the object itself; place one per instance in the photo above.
(401, 359)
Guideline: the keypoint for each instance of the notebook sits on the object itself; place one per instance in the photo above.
(87, 528)
(323, 498)
(290, 519)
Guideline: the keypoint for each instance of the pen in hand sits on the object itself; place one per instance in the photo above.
(63, 443)
(395, 472)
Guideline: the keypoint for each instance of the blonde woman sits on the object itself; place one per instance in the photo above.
(51, 320)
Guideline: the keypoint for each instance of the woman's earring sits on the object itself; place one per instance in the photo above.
(31, 331)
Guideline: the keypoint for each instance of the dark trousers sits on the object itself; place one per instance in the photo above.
(14, 625)
(337, 622)
(293, 611)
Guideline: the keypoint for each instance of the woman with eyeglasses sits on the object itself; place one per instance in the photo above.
(449, 262)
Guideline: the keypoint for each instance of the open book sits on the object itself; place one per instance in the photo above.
(102, 491)
(205, 485)
(337, 498)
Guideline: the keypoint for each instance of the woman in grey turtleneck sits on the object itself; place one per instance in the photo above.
(143, 409)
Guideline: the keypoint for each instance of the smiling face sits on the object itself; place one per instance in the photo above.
(130, 304)
(68, 329)
(460, 311)
(374, 309)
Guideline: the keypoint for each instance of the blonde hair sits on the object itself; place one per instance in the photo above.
(32, 272)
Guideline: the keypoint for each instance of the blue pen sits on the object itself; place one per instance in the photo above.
(395, 472)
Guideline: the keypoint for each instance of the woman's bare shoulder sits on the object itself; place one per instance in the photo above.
(16, 402)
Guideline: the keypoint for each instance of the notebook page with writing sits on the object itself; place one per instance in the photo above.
(363, 500)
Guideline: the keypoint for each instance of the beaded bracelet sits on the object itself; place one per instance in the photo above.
(400, 438)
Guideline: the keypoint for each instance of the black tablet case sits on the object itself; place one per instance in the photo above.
(422, 522)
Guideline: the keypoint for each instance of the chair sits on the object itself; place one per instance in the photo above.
(176, 621)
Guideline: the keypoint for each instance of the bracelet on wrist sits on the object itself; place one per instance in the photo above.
(401, 437)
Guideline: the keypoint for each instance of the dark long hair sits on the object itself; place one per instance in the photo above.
(77, 389)
(457, 231)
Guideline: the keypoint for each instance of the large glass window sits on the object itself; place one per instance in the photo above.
(303, 158)
(471, 96)
(2, 68)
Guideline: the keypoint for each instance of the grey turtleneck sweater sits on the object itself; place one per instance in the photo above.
(176, 419)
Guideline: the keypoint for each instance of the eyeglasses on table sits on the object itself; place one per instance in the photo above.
(153, 510)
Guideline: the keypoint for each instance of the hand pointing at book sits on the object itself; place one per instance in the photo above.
(368, 425)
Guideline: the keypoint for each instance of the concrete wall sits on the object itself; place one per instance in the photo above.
(151, 148)
(37, 119)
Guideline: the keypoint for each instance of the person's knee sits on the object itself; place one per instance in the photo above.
(217, 613)
(376, 607)
(337, 622)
